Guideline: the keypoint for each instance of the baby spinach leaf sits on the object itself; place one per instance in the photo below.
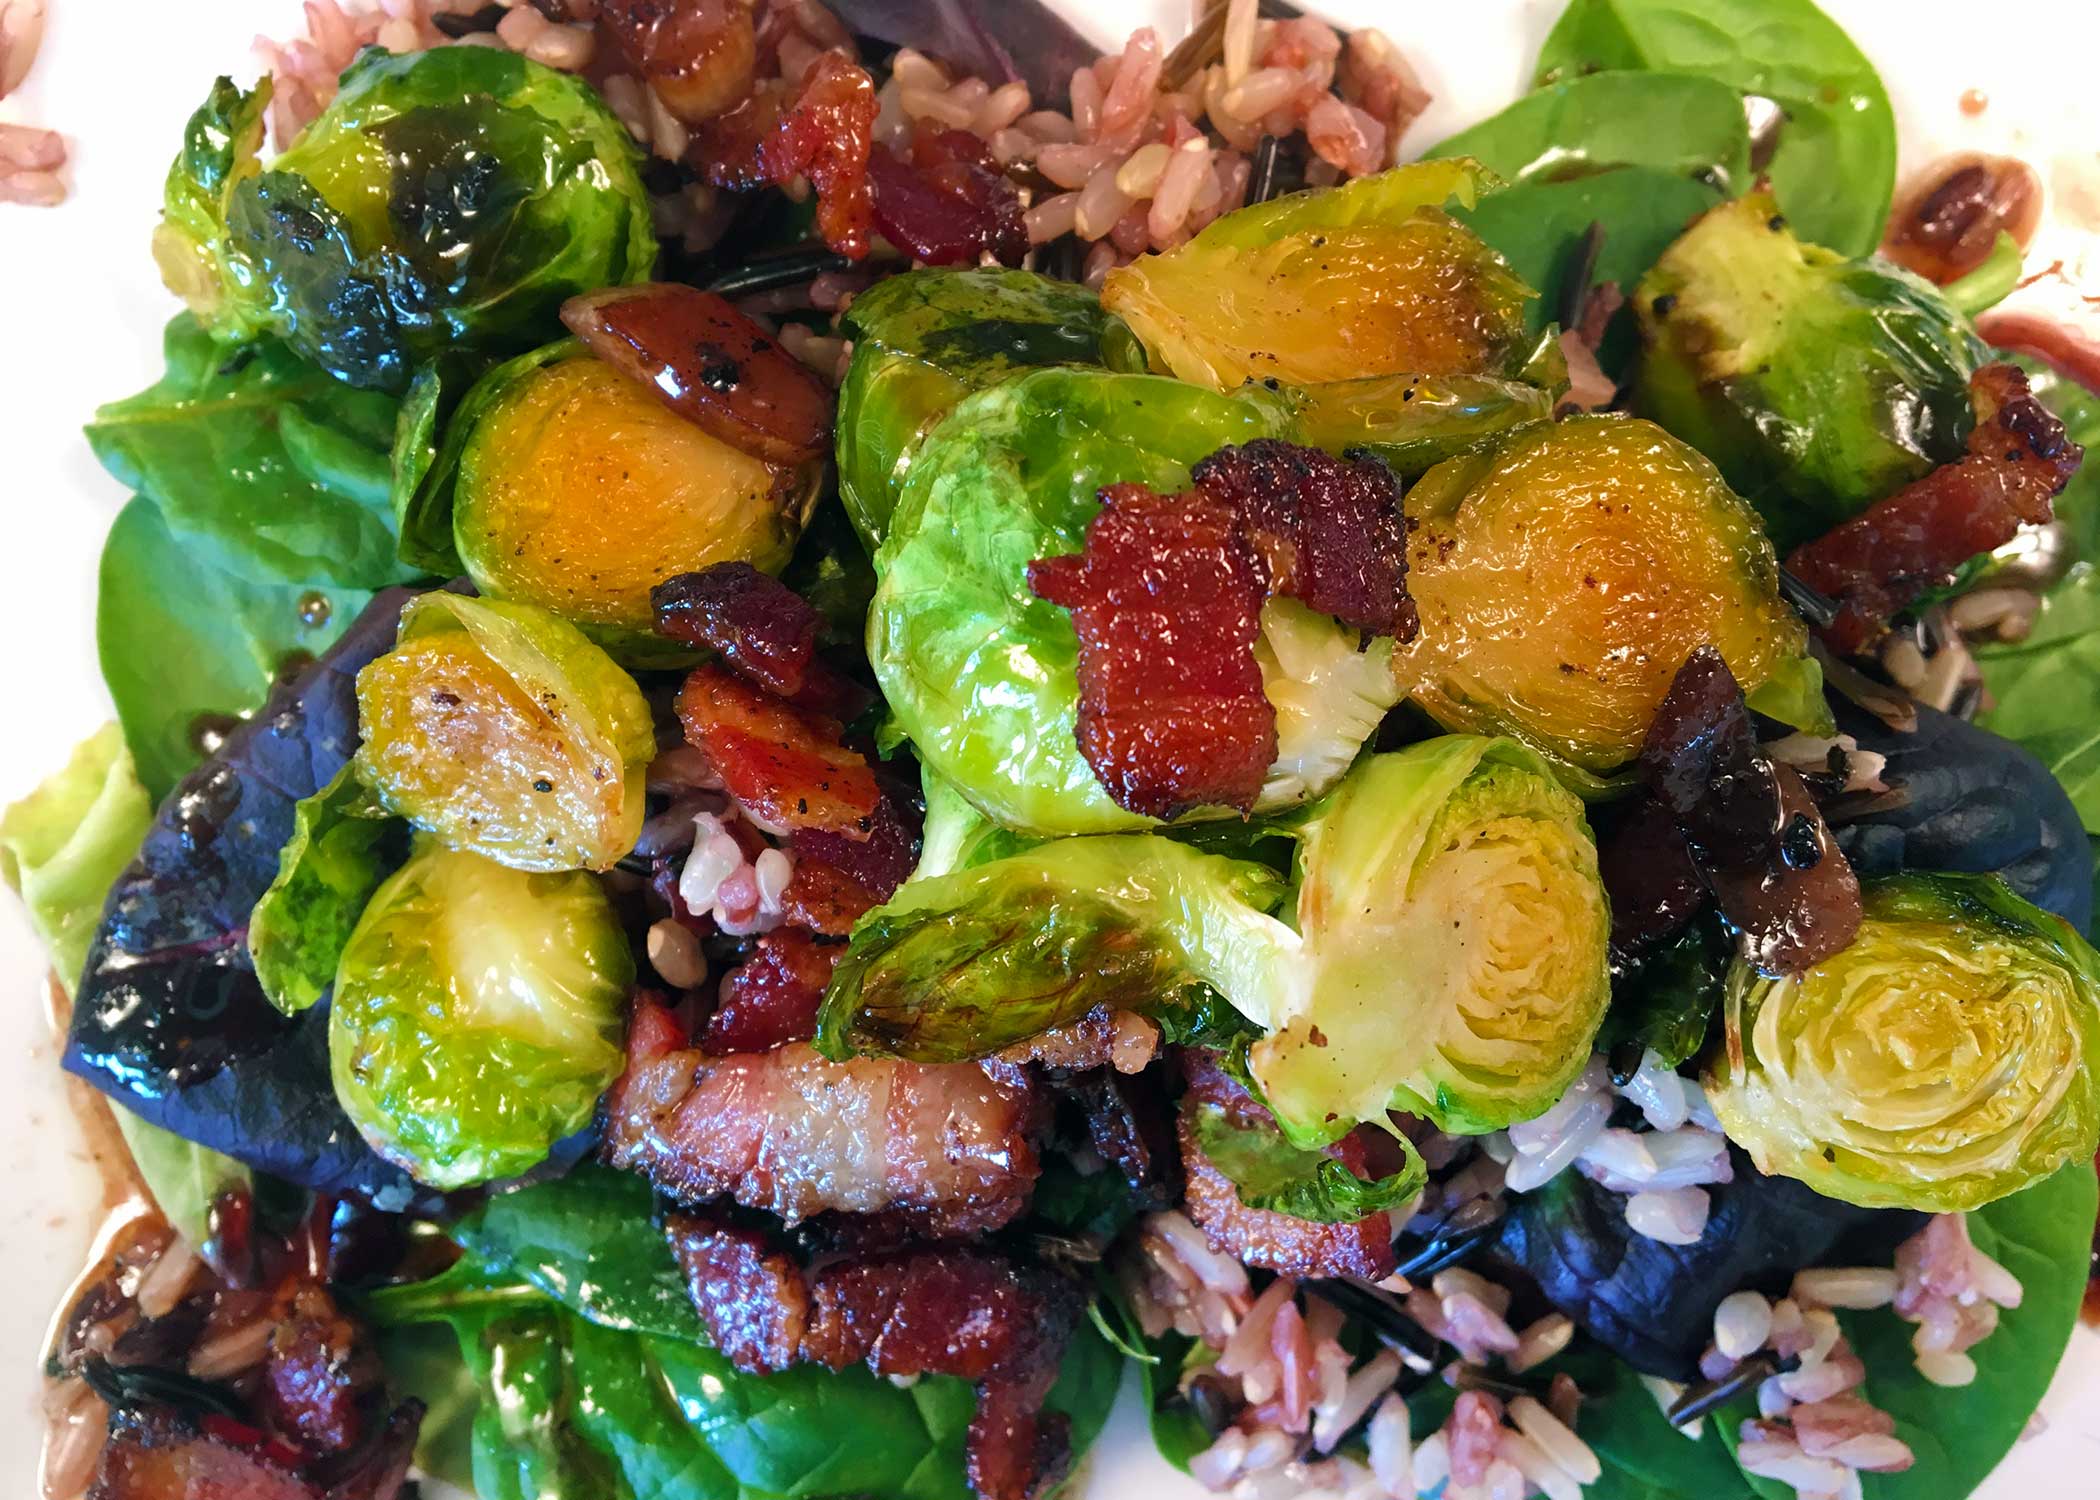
(184, 639)
(1581, 125)
(2043, 1236)
(2043, 689)
(1835, 166)
(343, 845)
(1644, 1457)
(284, 469)
(1270, 1173)
(1668, 1001)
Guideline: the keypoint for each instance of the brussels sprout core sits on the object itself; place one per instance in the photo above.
(1948, 1057)
(477, 1015)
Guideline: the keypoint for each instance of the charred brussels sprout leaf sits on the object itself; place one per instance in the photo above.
(504, 731)
(1818, 384)
(1270, 1173)
(1652, 1303)
(565, 484)
(477, 1015)
(445, 199)
(1370, 278)
(1948, 1057)
(928, 338)
(1454, 933)
(961, 965)
(343, 845)
(1564, 575)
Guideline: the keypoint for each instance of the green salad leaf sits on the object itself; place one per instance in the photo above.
(177, 657)
(1271, 1173)
(282, 468)
(1667, 1003)
(1579, 126)
(1834, 168)
(2043, 689)
(343, 845)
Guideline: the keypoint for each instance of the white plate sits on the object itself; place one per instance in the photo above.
(82, 322)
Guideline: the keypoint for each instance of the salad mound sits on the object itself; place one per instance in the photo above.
(833, 723)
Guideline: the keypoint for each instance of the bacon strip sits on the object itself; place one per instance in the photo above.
(925, 1310)
(1751, 827)
(1878, 562)
(1166, 600)
(785, 764)
(1258, 1236)
(838, 878)
(771, 999)
(796, 1134)
(1329, 529)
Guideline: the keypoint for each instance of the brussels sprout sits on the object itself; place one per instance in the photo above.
(445, 199)
(980, 673)
(477, 1015)
(578, 491)
(958, 966)
(504, 731)
(1370, 278)
(1454, 946)
(1411, 423)
(1564, 575)
(1948, 1057)
(924, 340)
(1818, 384)
(955, 835)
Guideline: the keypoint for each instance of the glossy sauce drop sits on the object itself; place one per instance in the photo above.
(1946, 224)
(208, 731)
(315, 609)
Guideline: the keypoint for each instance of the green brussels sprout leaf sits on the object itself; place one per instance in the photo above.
(221, 146)
(477, 1014)
(343, 845)
(1270, 1173)
(1948, 1057)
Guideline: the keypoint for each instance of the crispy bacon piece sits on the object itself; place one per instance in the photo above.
(1130, 1121)
(947, 202)
(771, 998)
(316, 1376)
(925, 1310)
(1329, 529)
(824, 135)
(762, 629)
(1257, 1236)
(837, 878)
(1751, 827)
(161, 1454)
(1648, 873)
(709, 363)
(1166, 600)
(1873, 565)
(796, 1134)
(785, 764)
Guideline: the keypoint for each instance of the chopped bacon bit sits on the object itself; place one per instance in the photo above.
(1130, 1122)
(1749, 823)
(1258, 1236)
(764, 630)
(1881, 560)
(1166, 600)
(782, 763)
(948, 203)
(771, 999)
(699, 55)
(1648, 872)
(711, 364)
(825, 135)
(1329, 529)
(924, 1310)
(837, 878)
(316, 1376)
(796, 1134)
(161, 1454)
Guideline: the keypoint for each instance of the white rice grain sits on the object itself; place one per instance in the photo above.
(1853, 1287)
(1546, 1476)
(1540, 1341)
(1947, 1369)
(1556, 1438)
(1359, 1393)
(1675, 1216)
(1742, 1323)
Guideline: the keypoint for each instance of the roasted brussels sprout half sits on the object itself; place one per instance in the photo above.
(477, 1015)
(577, 490)
(1818, 384)
(958, 966)
(504, 731)
(1454, 933)
(1370, 278)
(924, 340)
(445, 200)
(1948, 1057)
(980, 673)
(1564, 574)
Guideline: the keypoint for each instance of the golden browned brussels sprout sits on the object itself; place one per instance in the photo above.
(578, 490)
(506, 732)
(1564, 574)
(1372, 278)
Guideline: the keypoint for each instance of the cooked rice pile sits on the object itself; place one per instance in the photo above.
(30, 158)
